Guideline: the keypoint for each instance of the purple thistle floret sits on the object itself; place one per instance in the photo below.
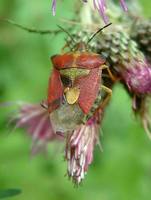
(79, 150)
(54, 2)
(99, 5)
(138, 77)
(123, 5)
(35, 119)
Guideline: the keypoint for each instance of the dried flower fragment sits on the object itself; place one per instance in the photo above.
(141, 108)
(54, 2)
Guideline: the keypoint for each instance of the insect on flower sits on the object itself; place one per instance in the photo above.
(74, 107)
(131, 67)
(75, 103)
(76, 79)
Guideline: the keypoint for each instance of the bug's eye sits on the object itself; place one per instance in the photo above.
(66, 81)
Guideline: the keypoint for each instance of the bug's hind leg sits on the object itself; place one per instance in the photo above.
(99, 104)
(107, 97)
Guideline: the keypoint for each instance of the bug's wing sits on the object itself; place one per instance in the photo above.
(55, 90)
(89, 87)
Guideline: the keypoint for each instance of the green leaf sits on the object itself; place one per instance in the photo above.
(9, 193)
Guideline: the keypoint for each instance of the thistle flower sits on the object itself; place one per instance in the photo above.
(137, 77)
(99, 5)
(79, 149)
(79, 142)
(126, 61)
(35, 119)
(127, 64)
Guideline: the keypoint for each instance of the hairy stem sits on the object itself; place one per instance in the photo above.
(31, 30)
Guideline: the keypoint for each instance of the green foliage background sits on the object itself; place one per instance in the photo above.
(122, 171)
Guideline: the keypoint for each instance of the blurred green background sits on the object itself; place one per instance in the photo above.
(122, 171)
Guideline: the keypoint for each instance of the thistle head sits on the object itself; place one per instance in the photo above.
(79, 150)
(35, 119)
(138, 77)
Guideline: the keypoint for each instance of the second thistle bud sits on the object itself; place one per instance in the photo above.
(142, 35)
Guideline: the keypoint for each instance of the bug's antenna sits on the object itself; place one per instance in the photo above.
(98, 31)
(67, 33)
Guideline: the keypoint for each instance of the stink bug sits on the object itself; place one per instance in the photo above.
(74, 85)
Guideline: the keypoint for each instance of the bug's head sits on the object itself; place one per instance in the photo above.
(80, 46)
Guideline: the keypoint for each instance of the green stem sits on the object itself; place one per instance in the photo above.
(31, 30)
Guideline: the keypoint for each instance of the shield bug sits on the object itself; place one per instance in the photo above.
(74, 86)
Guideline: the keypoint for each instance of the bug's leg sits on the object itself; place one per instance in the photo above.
(44, 105)
(113, 78)
(107, 98)
(99, 104)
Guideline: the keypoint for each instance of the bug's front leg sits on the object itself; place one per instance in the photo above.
(112, 77)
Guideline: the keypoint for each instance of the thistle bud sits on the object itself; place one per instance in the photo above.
(137, 77)
(128, 64)
(142, 35)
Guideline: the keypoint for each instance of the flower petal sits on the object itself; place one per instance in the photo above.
(138, 77)
(35, 119)
(123, 4)
(54, 2)
(79, 150)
